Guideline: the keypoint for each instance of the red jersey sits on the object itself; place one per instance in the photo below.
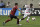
(14, 10)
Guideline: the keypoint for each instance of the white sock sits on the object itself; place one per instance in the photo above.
(24, 16)
(19, 19)
(28, 18)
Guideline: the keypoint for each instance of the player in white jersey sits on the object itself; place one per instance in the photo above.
(26, 13)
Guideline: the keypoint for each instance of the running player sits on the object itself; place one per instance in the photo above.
(26, 13)
(12, 14)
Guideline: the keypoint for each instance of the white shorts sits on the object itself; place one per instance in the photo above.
(26, 14)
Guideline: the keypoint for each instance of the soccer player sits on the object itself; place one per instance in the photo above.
(26, 13)
(12, 14)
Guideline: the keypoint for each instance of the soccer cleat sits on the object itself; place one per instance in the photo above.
(3, 23)
(19, 24)
(19, 19)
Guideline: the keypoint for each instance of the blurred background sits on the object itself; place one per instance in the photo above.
(9, 4)
(22, 2)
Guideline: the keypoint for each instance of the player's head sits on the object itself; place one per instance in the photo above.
(16, 4)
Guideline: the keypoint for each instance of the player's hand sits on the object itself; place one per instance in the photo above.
(21, 11)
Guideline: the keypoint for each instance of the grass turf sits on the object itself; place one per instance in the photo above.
(12, 23)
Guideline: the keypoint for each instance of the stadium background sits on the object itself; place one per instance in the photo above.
(23, 2)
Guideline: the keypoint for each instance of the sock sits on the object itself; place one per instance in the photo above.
(22, 18)
(28, 18)
(7, 20)
(17, 20)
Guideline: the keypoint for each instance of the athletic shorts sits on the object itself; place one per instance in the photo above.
(26, 14)
(11, 16)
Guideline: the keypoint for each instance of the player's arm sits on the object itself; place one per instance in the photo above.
(18, 9)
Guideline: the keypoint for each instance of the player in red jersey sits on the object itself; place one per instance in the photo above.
(12, 14)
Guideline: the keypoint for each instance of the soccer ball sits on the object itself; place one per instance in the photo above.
(33, 18)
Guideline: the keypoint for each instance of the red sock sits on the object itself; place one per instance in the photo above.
(7, 20)
(17, 21)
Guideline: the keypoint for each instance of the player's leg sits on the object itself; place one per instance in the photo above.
(6, 21)
(25, 15)
(28, 18)
(17, 20)
(11, 17)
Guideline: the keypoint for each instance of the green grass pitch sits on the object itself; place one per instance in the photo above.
(12, 23)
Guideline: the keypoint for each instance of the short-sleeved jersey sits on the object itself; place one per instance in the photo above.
(27, 10)
(14, 10)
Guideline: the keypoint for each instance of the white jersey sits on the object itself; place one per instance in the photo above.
(27, 10)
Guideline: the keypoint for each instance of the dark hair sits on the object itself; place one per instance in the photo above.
(16, 3)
